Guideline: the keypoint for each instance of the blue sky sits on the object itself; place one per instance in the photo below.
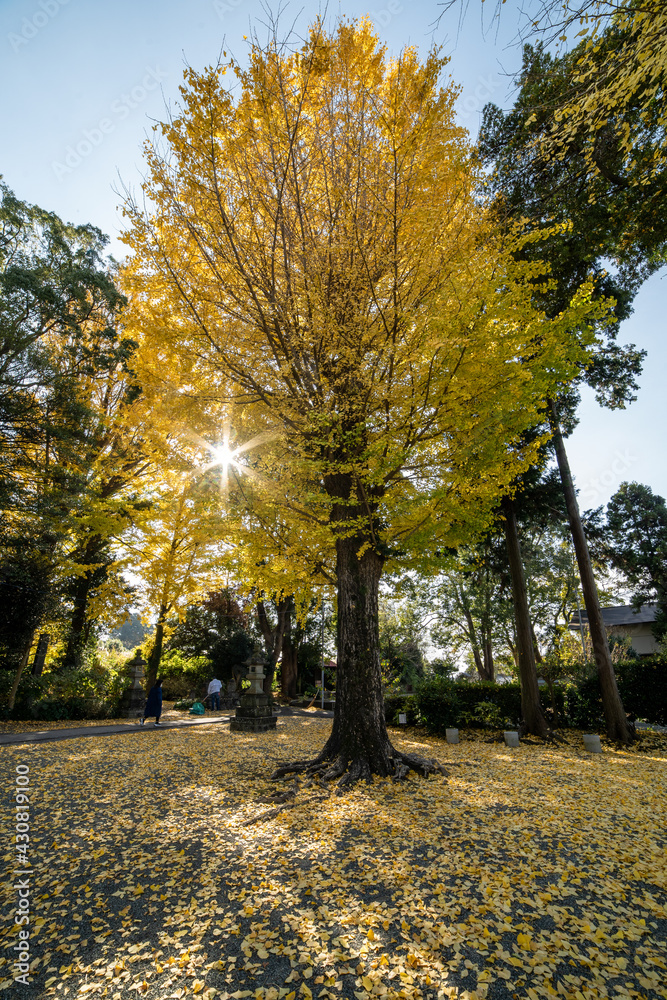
(82, 81)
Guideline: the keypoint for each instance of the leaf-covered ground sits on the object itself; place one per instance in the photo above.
(531, 872)
(169, 714)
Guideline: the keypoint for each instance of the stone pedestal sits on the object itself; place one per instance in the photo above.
(254, 714)
(134, 697)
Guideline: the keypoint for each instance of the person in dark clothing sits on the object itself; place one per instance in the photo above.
(154, 702)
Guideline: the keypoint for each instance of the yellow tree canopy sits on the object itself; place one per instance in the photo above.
(313, 256)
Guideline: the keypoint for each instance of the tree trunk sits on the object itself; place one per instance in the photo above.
(76, 639)
(40, 654)
(359, 744)
(273, 637)
(531, 709)
(472, 634)
(359, 738)
(489, 666)
(155, 655)
(11, 700)
(617, 723)
(288, 664)
(536, 647)
(80, 626)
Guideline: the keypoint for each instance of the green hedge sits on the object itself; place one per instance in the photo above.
(395, 704)
(440, 703)
(642, 685)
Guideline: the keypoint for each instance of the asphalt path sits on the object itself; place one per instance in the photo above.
(48, 735)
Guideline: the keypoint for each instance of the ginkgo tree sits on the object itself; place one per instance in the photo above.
(311, 252)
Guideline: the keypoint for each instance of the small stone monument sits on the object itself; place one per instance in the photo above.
(592, 743)
(134, 696)
(511, 738)
(452, 735)
(254, 714)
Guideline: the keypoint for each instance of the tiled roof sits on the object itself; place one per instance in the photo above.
(625, 614)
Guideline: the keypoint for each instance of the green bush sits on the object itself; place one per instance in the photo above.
(183, 677)
(184, 705)
(397, 704)
(505, 700)
(642, 685)
(485, 715)
(438, 704)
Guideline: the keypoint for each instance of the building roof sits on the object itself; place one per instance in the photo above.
(624, 614)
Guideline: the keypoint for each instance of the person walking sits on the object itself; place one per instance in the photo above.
(214, 694)
(154, 702)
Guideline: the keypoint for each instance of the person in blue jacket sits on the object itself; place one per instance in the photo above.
(154, 702)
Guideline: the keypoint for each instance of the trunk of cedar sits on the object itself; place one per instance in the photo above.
(11, 700)
(40, 654)
(616, 719)
(79, 631)
(288, 662)
(472, 634)
(531, 709)
(155, 655)
(273, 637)
(536, 648)
(489, 666)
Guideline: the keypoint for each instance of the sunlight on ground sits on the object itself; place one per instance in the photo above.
(533, 872)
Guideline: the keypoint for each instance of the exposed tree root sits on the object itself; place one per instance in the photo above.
(332, 766)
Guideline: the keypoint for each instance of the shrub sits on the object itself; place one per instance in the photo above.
(438, 704)
(486, 714)
(397, 704)
(642, 684)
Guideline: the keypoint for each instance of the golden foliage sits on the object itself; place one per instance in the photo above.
(313, 264)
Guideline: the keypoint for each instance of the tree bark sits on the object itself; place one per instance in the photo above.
(489, 666)
(273, 637)
(40, 654)
(531, 709)
(155, 655)
(359, 744)
(288, 663)
(11, 700)
(472, 635)
(614, 713)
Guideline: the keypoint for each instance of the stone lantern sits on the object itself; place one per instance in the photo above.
(134, 696)
(254, 714)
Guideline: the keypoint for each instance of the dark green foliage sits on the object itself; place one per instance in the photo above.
(217, 630)
(636, 543)
(26, 595)
(438, 704)
(397, 704)
(643, 687)
(184, 678)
